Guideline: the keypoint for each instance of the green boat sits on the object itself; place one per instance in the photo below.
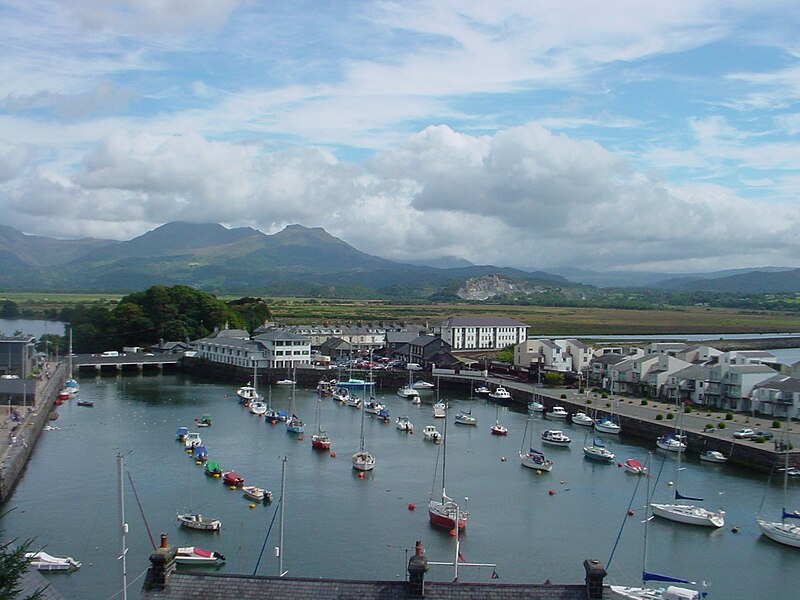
(204, 421)
(213, 469)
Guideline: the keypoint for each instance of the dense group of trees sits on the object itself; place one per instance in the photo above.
(159, 313)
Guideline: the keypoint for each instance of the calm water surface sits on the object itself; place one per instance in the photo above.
(338, 525)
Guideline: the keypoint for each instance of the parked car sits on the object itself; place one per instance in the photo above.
(744, 434)
(767, 435)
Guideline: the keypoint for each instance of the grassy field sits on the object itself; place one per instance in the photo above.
(542, 320)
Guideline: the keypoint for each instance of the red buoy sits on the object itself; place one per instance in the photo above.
(551, 492)
(361, 474)
(333, 454)
(630, 513)
(411, 506)
(452, 533)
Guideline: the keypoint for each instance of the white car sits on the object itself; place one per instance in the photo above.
(744, 434)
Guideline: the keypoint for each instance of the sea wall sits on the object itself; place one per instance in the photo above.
(18, 438)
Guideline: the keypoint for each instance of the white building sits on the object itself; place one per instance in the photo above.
(275, 349)
(564, 356)
(481, 333)
(284, 349)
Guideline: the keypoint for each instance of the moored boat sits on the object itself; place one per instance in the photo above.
(192, 555)
(232, 478)
(47, 562)
(713, 456)
(634, 466)
(498, 429)
(555, 437)
(581, 418)
(213, 469)
(440, 410)
(430, 433)
(192, 439)
(500, 394)
(598, 452)
(465, 418)
(199, 522)
(259, 494)
(557, 412)
(85, 402)
(404, 424)
(671, 443)
(419, 384)
(258, 408)
(607, 425)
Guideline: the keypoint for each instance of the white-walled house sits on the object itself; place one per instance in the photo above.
(480, 333)
(284, 349)
(778, 396)
(644, 375)
(274, 349)
(542, 355)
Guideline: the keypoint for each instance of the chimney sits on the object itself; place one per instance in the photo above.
(417, 566)
(162, 564)
(595, 572)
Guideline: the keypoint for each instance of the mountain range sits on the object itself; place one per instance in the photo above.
(308, 262)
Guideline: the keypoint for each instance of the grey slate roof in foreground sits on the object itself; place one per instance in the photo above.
(221, 586)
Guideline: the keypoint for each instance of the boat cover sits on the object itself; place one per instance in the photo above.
(656, 577)
(679, 496)
(201, 552)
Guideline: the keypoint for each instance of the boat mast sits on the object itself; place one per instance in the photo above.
(444, 454)
(646, 522)
(279, 549)
(123, 526)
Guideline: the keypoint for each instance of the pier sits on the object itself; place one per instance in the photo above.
(125, 361)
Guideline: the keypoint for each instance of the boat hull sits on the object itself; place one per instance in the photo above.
(444, 515)
(783, 533)
(688, 514)
(363, 461)
(199, 522)
(529, 461)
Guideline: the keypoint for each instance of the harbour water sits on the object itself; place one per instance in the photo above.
(534, 527)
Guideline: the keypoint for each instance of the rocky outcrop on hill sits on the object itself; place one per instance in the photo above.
(490, 286)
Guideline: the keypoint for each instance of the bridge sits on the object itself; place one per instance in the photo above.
(125, 360)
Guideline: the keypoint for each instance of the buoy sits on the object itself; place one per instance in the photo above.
(411, 506)
(361, 474)
(216, 475)
(300, 438)
(551, 492)
(333, 454)
(538, 471)
(233, 487)
(670, 484)
(452, 533)
(252, 505)
(502, 459)
(734, 529)
(619, 465)
(198, 462)
(630, 512)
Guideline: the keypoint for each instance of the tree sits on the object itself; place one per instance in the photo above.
(9, 309)
(12, 566)
(554, 379)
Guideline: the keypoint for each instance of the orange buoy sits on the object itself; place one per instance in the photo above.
(452, 533)
(551, 492)
(411, 506)
(361, 474)
(300, 438)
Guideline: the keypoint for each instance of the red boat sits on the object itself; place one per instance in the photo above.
(232, 478)
(445, 513)
(634, 466)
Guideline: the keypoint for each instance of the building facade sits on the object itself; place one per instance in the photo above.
(481, 333)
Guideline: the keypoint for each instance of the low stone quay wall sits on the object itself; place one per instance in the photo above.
(18, 438)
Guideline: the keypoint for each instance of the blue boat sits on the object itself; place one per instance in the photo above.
(200, 453)
(181, 434)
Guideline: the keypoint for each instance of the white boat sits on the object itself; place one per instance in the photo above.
(439, 410)
(294, 424)
(259, 494)
(483, 391)
(607, 425)
(687, 513)
(353, 401)
(363, 460)
(635, 466)
(598, 452)
(198, 521)
(47, 562)
(465, 418)
(404, 424)
(532, 458)
(248, 393)
(192, 439)
(581, 418)
(422, 385)
(500, 394)
(408, 393)
(670, 592)
(430, 433)
(557, 412)
(498, 429)
(192, 555)
(341, 394)
(555, 437)
(787, 530)
(535, 406)
(713, 456)
(416, 399)
(257, 407)
(373, 407)
(671, 443)
(285, 382)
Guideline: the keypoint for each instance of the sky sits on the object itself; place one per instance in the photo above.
(604, 135)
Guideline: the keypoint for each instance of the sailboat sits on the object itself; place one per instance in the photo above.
(71, 385)
(248, 393)
(687, 513)
(294, 424)
(671, 592)
(783, 531)
(195, 520)
(363, 460)
(320, 439)
(532, 458)
(497, 428)
(445, 512)
(408, 391)
(288, 381)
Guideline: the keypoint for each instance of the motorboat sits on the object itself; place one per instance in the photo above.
(373, 407)
(419, 384)
(500, 394)
(192, 439)
(192, 555)
(404, 424)
(498, 429)
(535, 406)
(634, 466)
(431, 434)
(557, 412)
(353, 401)
(581, 418)
(47, 562)
(258, 408)
(200, 522)
(466, 418)
(598, 452)
(259, 494)
(232, 478)
(213, 469)
(671, 443)
(285, 382)
(407, 392)
(85, 402)
(713, 456)
(440, 410)
(204, 421)
(607, 425)
(482, 391)
(555, 437)
(181, 434)
(341, 394)
(200, 454)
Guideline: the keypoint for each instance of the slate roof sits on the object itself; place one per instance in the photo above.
(31, 581)
(781, 383)
(282, 335)
(222, 586)
(481, 322)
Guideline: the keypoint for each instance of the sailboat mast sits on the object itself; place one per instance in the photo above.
(281, 572)
(646, 520)
(123, 527)
(444, 451)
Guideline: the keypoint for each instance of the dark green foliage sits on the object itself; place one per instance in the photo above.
(12, 565)
(554, 379)
(9, 309)
(253, 312)
(729, 416)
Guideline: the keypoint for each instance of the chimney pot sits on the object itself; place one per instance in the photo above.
(164, 543)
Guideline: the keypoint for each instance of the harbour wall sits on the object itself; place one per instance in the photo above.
(18, 438)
